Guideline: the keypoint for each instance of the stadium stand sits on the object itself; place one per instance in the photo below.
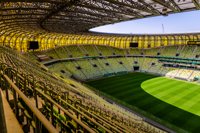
(67, 105)
(110, 64)
(43, 82)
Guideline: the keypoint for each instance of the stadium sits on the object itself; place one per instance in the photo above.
(57, 76)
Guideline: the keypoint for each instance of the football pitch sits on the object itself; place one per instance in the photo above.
(173, 103)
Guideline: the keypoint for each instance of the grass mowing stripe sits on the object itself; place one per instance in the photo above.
(188, 96)
(155, 84)
(110, 85)
(161, 88)
(124, 86)
(110, 79)
(179, 95)
(169, 93)
(195, 97)
(118, 86)
(120, 78)
(126, 91)
(122, 94)
(150, 84)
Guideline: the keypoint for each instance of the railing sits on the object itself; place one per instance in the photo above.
(2, 116)
(23, 107)
(54, 115)
(53, 106)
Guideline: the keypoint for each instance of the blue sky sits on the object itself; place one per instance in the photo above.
(186, 22)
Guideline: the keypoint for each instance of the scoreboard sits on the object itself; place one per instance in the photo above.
(134, 44)
(193, 42)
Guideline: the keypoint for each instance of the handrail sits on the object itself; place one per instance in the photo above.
(35, 111)
(2, 116)
(49, 99)
(64, 110)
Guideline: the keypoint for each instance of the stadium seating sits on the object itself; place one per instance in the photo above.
(66, 103)
(95, 65)
(183, 74)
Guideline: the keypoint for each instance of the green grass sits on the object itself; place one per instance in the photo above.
(174, 104)
(181, 94)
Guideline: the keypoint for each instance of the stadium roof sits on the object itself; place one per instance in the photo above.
(81, 15)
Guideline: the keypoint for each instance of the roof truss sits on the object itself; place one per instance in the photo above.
(81, 15)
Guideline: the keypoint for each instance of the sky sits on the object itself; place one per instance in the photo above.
(186, 22)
